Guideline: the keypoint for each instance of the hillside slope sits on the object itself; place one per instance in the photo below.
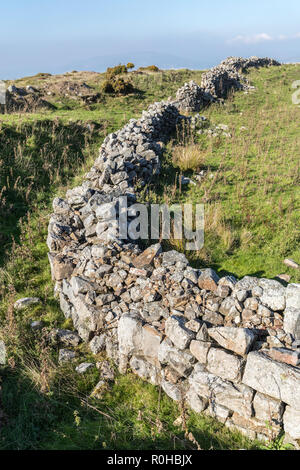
(251, 191)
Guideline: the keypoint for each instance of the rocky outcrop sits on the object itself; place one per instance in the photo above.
(211, 341)
(27, 99)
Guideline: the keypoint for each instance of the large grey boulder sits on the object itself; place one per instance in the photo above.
(145, 370)
(293, 296)
(86, 320)
(151, 340)
(176, 392)
(2, 353)
(291, 321)
(238, 340)
(274, 294)
(97, 344)
(66, 337)
(181, 361)
(291, 422)
(195, 402)
(130, 334)
(236, 397)
(66, 355)
(224, 364)
(267, 409)
(200, 349)
(279, 380)
(177, 332)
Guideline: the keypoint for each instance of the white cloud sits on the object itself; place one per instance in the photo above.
(252, 39)
(261, 37)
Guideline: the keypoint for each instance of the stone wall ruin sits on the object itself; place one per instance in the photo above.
(228, 347)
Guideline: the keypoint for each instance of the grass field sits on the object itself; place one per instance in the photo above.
(252, 201)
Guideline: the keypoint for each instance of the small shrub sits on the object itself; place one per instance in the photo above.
(107, 86)
(122, 87)
(112, 72)
(130, 65)
(117, 86)
(149, 68)
(43, 75)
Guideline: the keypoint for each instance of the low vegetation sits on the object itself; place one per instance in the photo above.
(149, 68)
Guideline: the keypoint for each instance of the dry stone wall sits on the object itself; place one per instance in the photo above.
(218, 82)
(228, 347)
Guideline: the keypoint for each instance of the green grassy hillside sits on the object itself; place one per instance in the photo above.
(251, 194)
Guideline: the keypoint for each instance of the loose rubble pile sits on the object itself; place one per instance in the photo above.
(228, 348)
(31, 99)
(218, 82)
(26, 99)
(73, 90)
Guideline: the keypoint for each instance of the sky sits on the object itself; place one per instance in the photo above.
(61, 35)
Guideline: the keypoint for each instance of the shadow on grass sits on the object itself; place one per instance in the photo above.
(140, 418)
(34, 157)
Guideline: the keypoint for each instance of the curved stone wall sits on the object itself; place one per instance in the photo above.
(227, 347)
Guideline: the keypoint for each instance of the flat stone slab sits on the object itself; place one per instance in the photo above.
(146, 258)
(26, 302)
(279, 380)
(289, 356)
(238, 340)
(83, 367)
